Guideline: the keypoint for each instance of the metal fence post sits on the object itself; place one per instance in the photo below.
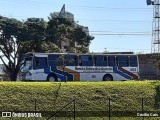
(142, 108)
(74, 108)
(35, 107)
(109, 109)
(70, 103)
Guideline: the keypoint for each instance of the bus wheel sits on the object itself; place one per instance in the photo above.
(52, 78)
(108, 78)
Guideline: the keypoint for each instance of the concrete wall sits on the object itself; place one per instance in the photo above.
(147, 66)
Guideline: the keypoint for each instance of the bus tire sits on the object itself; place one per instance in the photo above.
(107, 77)
(52, 78)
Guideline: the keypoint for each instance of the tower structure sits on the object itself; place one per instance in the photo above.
(155, 48)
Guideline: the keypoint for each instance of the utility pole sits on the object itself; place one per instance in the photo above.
(155, 48)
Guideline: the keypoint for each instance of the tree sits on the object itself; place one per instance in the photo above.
(49, 47)
(18, 38)
(65, 30)
(35, 34)
(82, 39)
(58, 29)
(11, 30)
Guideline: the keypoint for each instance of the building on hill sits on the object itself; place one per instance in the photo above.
(65, 14)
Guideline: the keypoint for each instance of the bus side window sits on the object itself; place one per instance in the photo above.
(75, 60)
(79, 61)
(111, 61)
(52, 60)
(122, 61)
(71, 60)
(133, 61)
(98, 60)
(105, 63)
(95, 60)
(36, 61)
(90, 60)
(40, 62)
(85, 60)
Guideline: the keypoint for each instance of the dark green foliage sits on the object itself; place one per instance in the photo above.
(10, 46)
(36, 35)
(80, 36)
(67, 30)
(18, 38)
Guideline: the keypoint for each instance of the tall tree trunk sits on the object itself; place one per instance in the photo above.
(12, 73)
(13, 77)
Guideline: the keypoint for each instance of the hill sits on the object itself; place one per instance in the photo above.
(89, 97)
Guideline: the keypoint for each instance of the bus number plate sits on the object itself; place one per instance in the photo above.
(133, 69)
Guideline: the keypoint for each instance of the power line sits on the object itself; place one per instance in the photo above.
(124, 30)
(108, 8)
(82, 6)
(121, 48)
(121, 34)
(112, 20)
(146, 32)
(100, 20)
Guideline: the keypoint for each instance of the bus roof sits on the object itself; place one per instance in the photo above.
(108, 53)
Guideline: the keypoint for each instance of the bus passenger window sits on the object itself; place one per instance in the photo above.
(80, 61)
(52, 59)
(99, 60)
(122, 61)
(90, 61)
(105, 62)
(75, 61)
(40, 62)
(85, 60)
(37, 62)
(71, 60)
(111, 61)
(133, 61)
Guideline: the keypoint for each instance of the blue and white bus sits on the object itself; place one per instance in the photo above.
(79, 67)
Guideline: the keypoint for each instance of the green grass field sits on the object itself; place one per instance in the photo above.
(89, 96)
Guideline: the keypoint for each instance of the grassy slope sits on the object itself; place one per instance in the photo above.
(90, 96)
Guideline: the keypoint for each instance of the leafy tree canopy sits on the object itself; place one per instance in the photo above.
(37, 35)
(67, 30)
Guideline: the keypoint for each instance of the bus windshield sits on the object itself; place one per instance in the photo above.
(26, 64)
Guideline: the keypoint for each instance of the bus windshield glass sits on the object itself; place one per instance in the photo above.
(26, 64)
